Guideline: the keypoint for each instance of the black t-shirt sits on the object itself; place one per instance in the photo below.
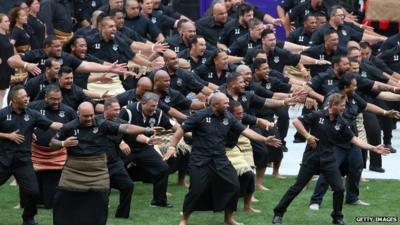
(25, 122)
(207, 28)
(185, 82)
(92, 140)
(185, 54)
(208, 74)
(319, 52)
(110, 51)
(392, 58)
(231, 32)
(300, 11)
(174, 98)
(324, 82)
(21, 38)
(329, 132)
(300, 36)
(176, 43)
(63, 115)
(136, 117)
(56, 15)
(7, 50)
(241, 45)
(143, 26)
(37, 32)
(127, 98)
(210, 132)
(345, 32)
(36, 85)
(112, 140)
(39, 56)
(391, 42)
(81, 78)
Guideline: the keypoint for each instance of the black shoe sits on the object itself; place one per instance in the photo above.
(377, 169)
(162, 205)
(30, 222)
(277, 220)
(390, 147)
(284, 148)
(299, 140)
(338, 221)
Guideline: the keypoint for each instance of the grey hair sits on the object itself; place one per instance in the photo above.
(150, 96)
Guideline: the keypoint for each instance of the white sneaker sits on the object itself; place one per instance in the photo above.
(359, 202)
(314, 206)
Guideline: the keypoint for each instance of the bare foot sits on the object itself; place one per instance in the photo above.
(168, 194)
(183, 222)
(254, 199)
(17, 206)
(261, 187)
(278, 176)
(362, 179)
(231, 222)
(250, 209)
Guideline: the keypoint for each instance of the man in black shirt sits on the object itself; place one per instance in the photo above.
(345, 31)
(48, 162)
(17, 123)
(131, 96)
(119, 178)
(149, 165)
(211, 173)
(181, 41)
(325, 51)
(327, 129)
(36, 85)
(140, 23)
(183, 81)
(300, 11)
(249, 40)
(197, 53)
(82, 194)
(164, 22)
(237, 27)
(210, 27)
(112, 4)
(302, 35)
(57, 15)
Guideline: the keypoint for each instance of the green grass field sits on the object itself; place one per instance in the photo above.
(384, 196)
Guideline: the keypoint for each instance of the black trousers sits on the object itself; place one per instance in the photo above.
(48, 182)
(373, 131)
(306, 172)
(283, 121)
(22, 170)
(211, 188)
(247, 183)
(260, 151)
(150, 167)
(120, 180)
(80, 207)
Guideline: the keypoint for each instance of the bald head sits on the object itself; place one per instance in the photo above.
(219, 13)
(217, 98)
(169, 54)
(86, 114)
(85, 107)
(160, 75)
(143, 85)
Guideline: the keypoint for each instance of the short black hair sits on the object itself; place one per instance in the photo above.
(109, 101)
(231, 77)
(258, 62)
(244, 8)
(49, 62)
(265, 32)
(195, 39)
(114, 12)
(49, 40)
(14, 90)
(52, 88)
(337, 58)
(233, 104)
(365, 45)
(64, 70)
(345, 80)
